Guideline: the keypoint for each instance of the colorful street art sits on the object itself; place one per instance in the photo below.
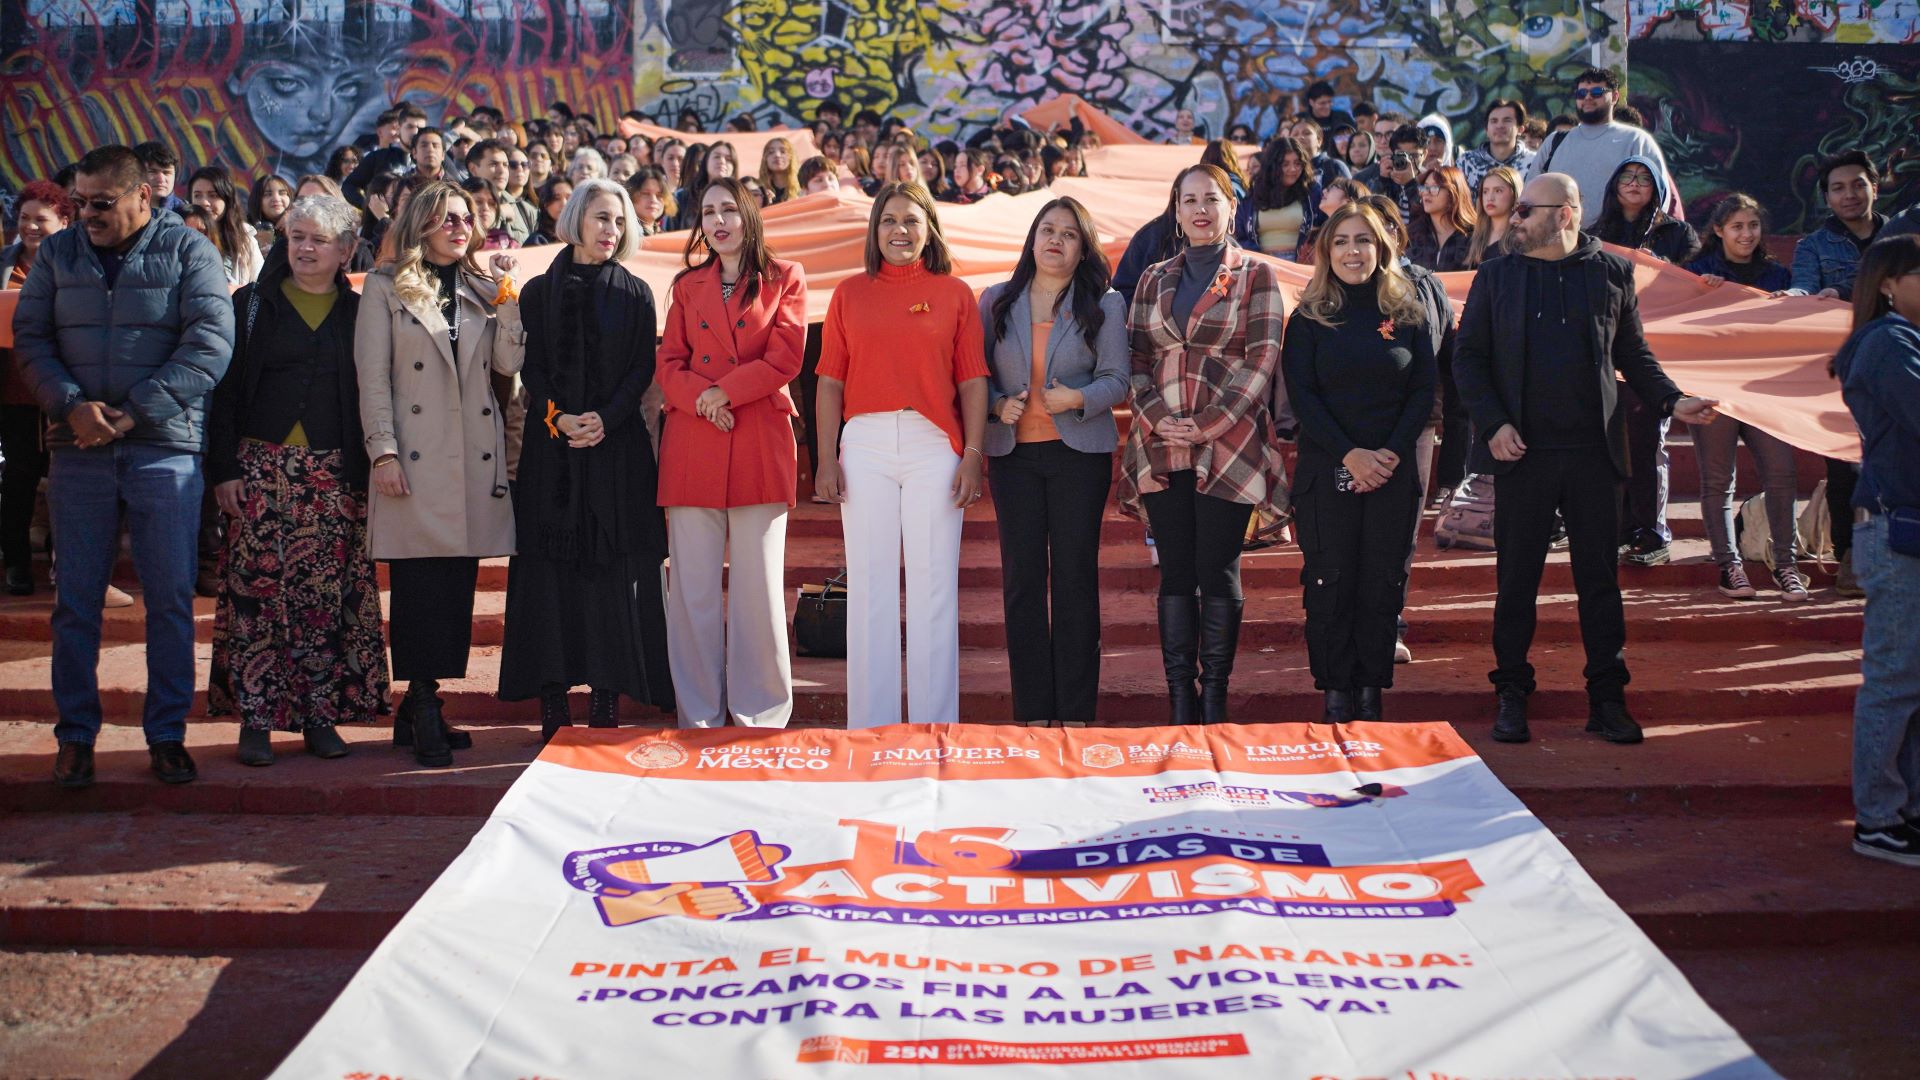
(1855, 22)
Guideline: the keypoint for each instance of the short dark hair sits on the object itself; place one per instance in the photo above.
(387, 116)
(1857, 158)
(490, 113)
(482, 148)
(156, 155)
(1519, 111)
(1604, 76)
(1406, 135)
(1626, 114)
(832, 106)
(410, 111)
(117, 163)
(1564, 120)
(1364, 108)
(1321, 89)
(561, 107)
(866, 116)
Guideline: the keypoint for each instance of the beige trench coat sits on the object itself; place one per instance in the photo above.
(439, 415)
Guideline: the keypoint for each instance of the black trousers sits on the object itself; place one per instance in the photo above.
(1199, 538)
(1581, 485)
(1842, 478)
(808, 383)
(1049, 498)
(430, 616)
(1455, 430)
(1646, 489)
(20, 444)
(1354, 577)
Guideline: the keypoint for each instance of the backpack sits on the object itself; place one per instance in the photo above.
(1467, 522)
(1813, 532)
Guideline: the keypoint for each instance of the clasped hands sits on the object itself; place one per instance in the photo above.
(96, 423)
(713, 405)
(582, 430)
(1056, 399)
(1180, 431)
(1370, 468)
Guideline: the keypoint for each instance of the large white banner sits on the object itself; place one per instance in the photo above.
(1286, 901)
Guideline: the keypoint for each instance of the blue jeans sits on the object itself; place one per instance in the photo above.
(1886, 713)
(158, 489)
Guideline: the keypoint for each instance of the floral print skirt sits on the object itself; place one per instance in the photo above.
(297, 629)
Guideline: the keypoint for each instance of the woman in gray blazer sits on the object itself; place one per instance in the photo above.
(1057, 355)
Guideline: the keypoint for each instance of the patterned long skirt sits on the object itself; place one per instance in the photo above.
(296, 629)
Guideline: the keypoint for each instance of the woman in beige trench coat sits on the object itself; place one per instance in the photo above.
(432, 328)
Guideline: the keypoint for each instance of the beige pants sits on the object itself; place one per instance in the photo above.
(738, 667)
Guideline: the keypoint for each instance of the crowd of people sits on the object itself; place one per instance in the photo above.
(271, 446)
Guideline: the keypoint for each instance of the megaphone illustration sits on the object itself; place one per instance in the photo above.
(739, 857)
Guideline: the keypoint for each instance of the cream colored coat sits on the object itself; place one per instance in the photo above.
(437, 412)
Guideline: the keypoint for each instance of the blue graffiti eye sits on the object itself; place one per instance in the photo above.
(1537, 26)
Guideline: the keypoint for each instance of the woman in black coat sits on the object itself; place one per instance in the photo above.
(584, 597)
(1360, 375)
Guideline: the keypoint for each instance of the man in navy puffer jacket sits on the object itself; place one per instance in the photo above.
(123, 328)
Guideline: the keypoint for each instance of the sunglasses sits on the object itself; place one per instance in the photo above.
(1591, 92)
(102, 205)
(1521, 211)
(455, 221)
(521, 164)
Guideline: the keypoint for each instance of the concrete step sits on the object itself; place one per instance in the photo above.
(1704, 682)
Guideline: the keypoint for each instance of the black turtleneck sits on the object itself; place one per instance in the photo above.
(1560, 402)
(449, 279)
(1203, 262)
(1367, 382)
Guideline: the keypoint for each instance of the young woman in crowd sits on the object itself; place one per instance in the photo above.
(621, 167)
(1332, 197)
(342, 162)
(1224, 156)
(1736, 248)
(1442, 232)
(211, 189)
(287, 461)
(552, 200)
(652, 200)
(670, 155)
(43, 209)
(432, 327)
(734, 339)
(902, 364)
(1056, 342)
(1360, 374)
(1285, 197)
(519, 183)
(933, 172)
(879, 168)
(779, 172)
(1360, 151)
(484, 198)
(584, 602)
(972, 177)
(1204, 336)
(832, 146)
(539, 168)
(903, 167)
(1879, 373)
(1630, 214)
(1499, 191)
(266, 204)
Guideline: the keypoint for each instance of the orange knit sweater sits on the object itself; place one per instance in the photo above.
(904, 339)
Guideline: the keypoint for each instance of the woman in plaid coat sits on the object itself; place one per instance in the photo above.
(1201, 456)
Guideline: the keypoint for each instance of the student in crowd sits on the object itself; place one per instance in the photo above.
(1360, 154)
(539, 169)
(1438, 134)
(1544, 400)
(1397, 174)
(817, 175)
(431, 329)
(1224, 156)
(1879, 373)
(1312, 139)
(1360, 374)
(43, 210)
(1442, 232)
(1592, 151)
(491, 162)
(519, 192)
(779, 172)
(1735, 248)
(398, 127)
(735, 335)
(122, 330)
(1204, 333)
(1826, 259)
(902, 363)
(1332, 197)
(1631, 214)
(1499, 190)
(162, 168)
(972, 177)
(1504, 120)
(429, 155)
(621, 166)
(287, 461)
(653, 204)
(553, 200)
(933, 172)
(584, 601)
(341, 163)
(1057, 352)
(1286, 197)
(266, 204)
(1319, 99)
(211, 189)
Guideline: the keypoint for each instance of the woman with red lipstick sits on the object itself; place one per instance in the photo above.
(584, 600)
(431, 329)
(735, 336)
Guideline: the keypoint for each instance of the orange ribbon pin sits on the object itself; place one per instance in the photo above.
(553, 411)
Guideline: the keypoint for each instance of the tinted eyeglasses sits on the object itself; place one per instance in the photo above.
(456, 221)
(1586, 92)
(101, 205)
(518, 163)
(1521, 211)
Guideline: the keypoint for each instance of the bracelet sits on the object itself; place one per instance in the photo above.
(972, 450)
(385, 458)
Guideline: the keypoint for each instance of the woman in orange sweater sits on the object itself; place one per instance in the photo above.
(903, 362)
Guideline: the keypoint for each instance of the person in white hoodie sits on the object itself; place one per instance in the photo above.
(1439, 136)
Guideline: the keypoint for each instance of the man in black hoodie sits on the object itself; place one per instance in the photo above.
(1539, 342)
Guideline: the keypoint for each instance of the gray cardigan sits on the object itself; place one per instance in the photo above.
(1102, 375)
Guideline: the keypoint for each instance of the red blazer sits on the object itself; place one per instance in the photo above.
(751, 351)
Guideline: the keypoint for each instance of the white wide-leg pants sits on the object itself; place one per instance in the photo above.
(732, 666)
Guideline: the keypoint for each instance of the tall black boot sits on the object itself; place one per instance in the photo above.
(603, 709)
(403, 717)
(1219, 640)
(430, 747)
(554, 711)
(1339, 707)
(1368, 707)
(1179, 649)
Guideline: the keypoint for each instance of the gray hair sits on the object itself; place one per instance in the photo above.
(591, 158)
(328, 213)
(574, 214)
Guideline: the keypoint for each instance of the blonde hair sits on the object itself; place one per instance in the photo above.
(574, 213)
(1483, 228)
(403, 250)
(1322, 299)
(787, 183)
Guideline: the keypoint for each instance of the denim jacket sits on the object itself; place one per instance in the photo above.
(1827, 258)
(1879, 371)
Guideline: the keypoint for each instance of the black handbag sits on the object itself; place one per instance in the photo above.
(820, 618)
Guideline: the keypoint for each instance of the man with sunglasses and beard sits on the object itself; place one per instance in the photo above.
(1543, 333)
(122, 330)
(1592, 152)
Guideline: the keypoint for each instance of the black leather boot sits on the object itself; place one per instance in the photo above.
(430, 747)
(1179, 652)
(603, 709)
(1219, 641)
(1368, 705)
(403, 718)
(1510, 723)
(554, 712)
(1339, 707)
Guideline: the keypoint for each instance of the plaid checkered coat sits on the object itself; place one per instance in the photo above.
(1219, 370)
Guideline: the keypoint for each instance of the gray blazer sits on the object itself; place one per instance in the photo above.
(1102, 375)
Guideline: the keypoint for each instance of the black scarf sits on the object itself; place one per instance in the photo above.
(583, 364)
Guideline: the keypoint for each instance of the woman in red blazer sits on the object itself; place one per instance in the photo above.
(736, 331)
